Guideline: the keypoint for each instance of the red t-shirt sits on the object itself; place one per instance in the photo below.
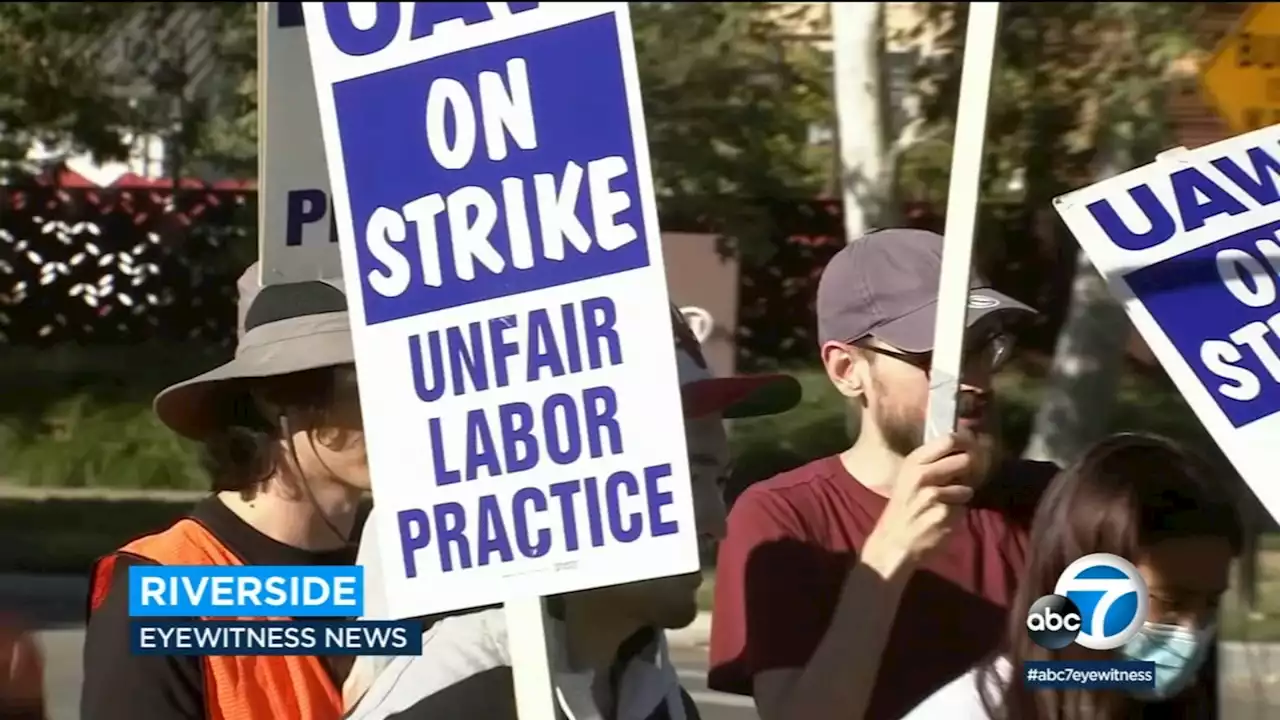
(790, 544)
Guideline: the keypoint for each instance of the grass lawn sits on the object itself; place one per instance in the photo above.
(82, 417)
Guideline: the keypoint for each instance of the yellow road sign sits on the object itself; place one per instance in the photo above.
(1242, 78)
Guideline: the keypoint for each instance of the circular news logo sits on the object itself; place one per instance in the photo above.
(1053, 622)
(1110, 597)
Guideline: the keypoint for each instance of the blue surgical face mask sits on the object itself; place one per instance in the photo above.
(1177, 652)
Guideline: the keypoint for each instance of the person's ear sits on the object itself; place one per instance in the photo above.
(331, 438)
(847, 369)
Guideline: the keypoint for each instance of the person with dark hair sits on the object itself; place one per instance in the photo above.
(282, 438)
(1144, 499)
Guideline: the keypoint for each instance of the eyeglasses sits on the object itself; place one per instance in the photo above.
(989, 352)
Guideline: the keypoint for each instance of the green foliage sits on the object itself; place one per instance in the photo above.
(82, 418)
(51, 88)
(82, 442)
(729, 105)
(75, 417)
(84, 76)
(1071, 79)
(229, 137)
(729, 100)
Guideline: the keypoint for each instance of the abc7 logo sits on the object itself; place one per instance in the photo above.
(1100, 602)
(1053, 622)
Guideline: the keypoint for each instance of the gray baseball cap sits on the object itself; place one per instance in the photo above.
(282, 329)
(885, 285)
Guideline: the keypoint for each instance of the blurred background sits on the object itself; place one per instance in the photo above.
(128, 162)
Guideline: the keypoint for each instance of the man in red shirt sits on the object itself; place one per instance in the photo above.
(856, 585)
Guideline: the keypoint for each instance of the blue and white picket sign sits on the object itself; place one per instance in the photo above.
(1190, 244)
(501, 252)
(296, 237)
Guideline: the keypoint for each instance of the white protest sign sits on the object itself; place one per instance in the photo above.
(500, 246)
(1189, 245)
(296, 239)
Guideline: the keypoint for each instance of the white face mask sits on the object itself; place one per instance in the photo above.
(1177, 652)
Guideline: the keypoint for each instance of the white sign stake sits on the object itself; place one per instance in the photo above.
(529, 638)
(962, 209)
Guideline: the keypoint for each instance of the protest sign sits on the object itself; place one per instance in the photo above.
(296, 238)
(1189, 245)
(500, 248)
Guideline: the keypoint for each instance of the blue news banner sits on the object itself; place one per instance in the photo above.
(220, 610)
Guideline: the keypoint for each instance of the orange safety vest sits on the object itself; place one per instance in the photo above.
(235, 687)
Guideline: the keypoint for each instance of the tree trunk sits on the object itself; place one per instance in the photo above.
(1084, 380)
(857, 35)
(1080, 392)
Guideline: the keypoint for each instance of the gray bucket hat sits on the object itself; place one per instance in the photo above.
(281, 329)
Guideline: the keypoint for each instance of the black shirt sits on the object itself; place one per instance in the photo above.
(119, 685)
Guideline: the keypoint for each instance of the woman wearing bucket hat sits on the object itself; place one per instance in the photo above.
(282, 434)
